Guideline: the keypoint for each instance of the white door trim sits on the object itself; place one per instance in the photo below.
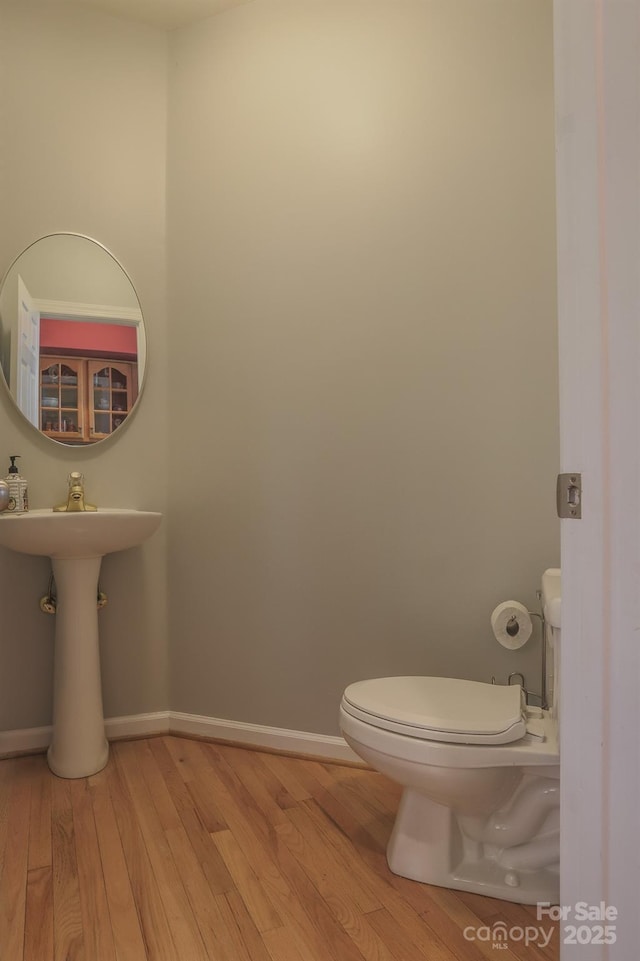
(598, 163)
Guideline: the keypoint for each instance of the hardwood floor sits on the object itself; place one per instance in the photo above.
(185, 850)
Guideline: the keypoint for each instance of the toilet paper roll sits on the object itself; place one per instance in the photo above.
(511, 624)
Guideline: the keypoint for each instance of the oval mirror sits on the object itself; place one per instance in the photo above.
(72, 340)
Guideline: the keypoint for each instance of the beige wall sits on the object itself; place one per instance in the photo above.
(82, 148)
(363, 346)
(360, 344)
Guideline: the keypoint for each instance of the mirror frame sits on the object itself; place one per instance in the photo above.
(141, 382)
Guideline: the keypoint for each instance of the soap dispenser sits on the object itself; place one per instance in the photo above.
(18, 495)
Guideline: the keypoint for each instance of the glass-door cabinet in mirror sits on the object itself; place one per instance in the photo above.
(82, 401)
(73, 345)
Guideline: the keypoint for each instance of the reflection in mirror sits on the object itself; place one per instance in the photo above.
(72, 340)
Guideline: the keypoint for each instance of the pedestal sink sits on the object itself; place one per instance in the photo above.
(76, 543)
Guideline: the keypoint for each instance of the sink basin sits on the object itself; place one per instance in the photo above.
(76, 543)
(76, 533)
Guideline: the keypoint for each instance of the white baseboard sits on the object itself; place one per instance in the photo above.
(257, 735)
(137, 725)
(24, 741)
(29, 740)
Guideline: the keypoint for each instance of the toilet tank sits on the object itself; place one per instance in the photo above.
(551, 609)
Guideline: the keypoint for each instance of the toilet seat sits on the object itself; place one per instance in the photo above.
(445, 709)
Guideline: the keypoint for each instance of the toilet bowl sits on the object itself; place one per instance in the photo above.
(480, 772)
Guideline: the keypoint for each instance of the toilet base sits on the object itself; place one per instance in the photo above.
(428, 845)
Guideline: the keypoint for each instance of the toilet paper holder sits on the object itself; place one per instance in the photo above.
(523, 684)
(513, 627)
(542, 696)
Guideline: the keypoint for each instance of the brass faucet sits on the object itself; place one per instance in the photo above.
(75, 500)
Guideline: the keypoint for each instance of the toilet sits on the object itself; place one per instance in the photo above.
(480, 772)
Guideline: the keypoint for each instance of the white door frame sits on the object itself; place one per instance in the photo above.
(597, 81)
(25, 356)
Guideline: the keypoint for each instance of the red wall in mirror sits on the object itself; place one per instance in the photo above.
(64, 335)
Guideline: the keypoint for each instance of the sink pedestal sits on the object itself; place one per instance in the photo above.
(76, 542)
(78, 746)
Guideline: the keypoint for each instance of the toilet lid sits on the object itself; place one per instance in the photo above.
(440, 708)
